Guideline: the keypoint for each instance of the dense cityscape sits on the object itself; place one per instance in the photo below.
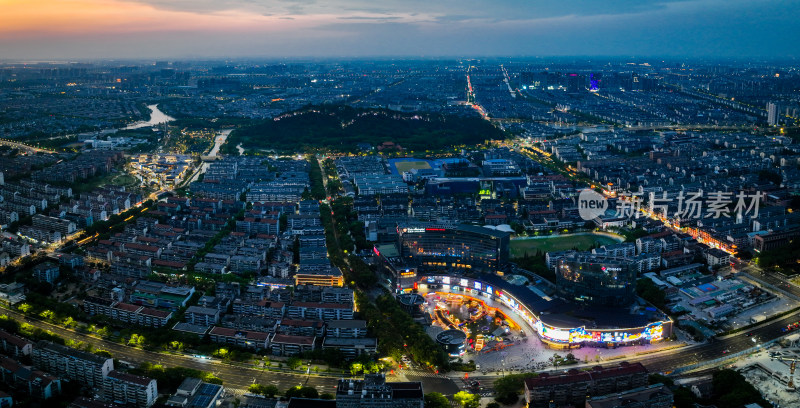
(202, 220)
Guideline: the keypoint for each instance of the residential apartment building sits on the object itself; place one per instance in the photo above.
(249, 339)
(573, 386)
(204, 316)
(129, 390)
(285, 345)
(27, 380)
(86, 368)
(320, 311)
(14, 345)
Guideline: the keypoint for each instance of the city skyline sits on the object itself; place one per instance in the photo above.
(92, 29)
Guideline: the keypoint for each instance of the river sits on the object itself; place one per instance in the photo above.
(156, 118)
(219, 141)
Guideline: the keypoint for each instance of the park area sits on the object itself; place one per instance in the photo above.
(581, 242)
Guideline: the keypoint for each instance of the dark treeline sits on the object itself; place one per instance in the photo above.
(340, 127)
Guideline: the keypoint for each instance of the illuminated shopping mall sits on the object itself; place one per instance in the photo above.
(558, 323)
(595, 295)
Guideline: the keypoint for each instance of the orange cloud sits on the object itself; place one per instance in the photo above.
(42, 17)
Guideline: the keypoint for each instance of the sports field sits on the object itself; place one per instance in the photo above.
(404, 166)
(558, 243)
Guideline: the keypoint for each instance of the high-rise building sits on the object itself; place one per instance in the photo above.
(773, 114)
(597, 280)
(465, 246)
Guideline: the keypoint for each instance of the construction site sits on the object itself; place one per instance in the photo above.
(773, 372)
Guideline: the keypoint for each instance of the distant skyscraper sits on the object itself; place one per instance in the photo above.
(772, 113)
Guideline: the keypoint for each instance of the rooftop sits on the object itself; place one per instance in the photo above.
(130, 378)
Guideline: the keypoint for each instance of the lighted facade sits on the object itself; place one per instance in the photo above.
(465, 246)
(332, 277)
(557, 337)
(453, 341)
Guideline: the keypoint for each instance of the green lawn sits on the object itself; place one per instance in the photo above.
(125, 180)
(557, 243)
(404, 166)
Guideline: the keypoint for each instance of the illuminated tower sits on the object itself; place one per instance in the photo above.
(594, 82)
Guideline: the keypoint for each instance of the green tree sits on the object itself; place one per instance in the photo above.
(256, 389)
(265, 390)
(301, 392)
(508, 388)
(70, 323)
(270, 391)
(467, 400)
(684, 398)
(293, 363)
(356, 369)
(660, 379)
(651, 293)
(731, 389)
(436, 400)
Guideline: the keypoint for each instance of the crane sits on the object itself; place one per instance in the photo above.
(793, 360)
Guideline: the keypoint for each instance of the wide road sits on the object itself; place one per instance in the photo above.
(720, 347)
(667, 361)
(22, 146)
(777, 280)
(240, 377)
(233, 376)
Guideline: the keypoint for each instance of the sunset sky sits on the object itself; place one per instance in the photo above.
(76, 29)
